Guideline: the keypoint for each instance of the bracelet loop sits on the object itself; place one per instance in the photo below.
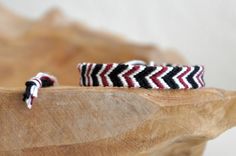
(139, 75)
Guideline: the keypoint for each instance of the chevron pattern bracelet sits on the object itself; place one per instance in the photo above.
(140, 75)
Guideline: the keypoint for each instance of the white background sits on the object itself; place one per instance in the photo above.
(204, 31)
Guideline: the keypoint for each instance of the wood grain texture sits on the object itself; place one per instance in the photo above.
(114, 121)
(96, 121)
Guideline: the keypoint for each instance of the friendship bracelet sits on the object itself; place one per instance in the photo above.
(34, 84)
(134, 74)
(138, 75)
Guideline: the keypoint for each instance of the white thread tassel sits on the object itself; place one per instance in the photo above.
(34, 84)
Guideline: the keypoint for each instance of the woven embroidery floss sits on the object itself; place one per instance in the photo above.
(41, 80)
(137, 74)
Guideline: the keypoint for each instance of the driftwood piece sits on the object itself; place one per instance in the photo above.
(96, 121)
(57, 47)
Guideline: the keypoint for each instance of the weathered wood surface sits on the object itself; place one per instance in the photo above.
(96, 121)
(114, 121)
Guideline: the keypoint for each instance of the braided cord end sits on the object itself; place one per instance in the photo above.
(41, 80)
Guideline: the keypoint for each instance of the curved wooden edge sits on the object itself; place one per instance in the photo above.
(114, 121)
(63, 43)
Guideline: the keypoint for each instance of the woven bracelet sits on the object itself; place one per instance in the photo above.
(131, 74)
(140, 75)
